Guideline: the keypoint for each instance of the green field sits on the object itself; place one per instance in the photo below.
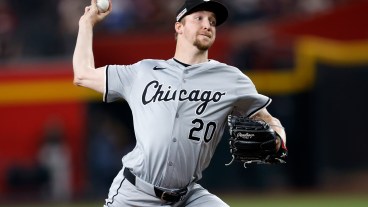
(300, 201)
(263, 200)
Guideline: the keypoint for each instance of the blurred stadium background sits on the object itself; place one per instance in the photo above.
(60, 144)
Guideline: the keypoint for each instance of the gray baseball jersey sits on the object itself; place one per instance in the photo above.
(179, 114)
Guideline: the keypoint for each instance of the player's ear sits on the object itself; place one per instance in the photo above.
(178, 27)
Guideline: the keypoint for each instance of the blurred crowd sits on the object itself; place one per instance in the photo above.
(47, 28)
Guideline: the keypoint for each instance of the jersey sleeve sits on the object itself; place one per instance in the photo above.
(249, 101)
(119, 81)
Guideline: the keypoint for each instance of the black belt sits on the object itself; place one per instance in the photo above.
(169, 196)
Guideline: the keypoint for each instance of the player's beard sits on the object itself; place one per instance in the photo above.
(202, 45)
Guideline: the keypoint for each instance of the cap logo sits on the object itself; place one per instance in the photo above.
(182, 13)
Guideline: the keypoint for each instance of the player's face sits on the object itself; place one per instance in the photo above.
(200, 29)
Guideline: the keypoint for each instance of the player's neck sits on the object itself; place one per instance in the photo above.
(191, 59)
(190, 55)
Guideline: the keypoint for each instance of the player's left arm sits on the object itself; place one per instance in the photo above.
(273, 122)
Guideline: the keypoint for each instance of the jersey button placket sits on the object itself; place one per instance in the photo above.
(186, 72)
(173, 146)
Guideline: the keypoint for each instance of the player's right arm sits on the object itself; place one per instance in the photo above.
(85, 73)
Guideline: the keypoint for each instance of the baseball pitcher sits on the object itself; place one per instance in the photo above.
(180, 109)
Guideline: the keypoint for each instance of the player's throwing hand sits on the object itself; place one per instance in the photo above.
(92, 15)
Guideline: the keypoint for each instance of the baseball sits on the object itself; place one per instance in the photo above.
(103, 5)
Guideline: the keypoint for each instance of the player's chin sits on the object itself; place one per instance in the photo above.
(203, 44)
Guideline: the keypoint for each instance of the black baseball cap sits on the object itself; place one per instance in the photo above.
(191, 6)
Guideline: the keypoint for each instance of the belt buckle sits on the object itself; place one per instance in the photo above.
(170, 193)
